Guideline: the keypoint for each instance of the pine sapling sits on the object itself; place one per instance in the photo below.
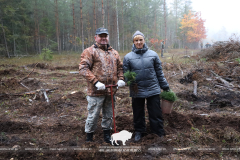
(131, 77)
(169, 96)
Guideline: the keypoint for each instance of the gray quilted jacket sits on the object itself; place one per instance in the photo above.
(147, 65)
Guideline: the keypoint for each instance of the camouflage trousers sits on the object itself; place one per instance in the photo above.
(95, 105)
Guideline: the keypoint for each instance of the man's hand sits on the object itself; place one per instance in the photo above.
(100, 86)
(120, 83)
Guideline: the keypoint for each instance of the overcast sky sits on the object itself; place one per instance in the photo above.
(219, 14)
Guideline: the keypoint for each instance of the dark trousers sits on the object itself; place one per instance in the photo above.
(154, 111)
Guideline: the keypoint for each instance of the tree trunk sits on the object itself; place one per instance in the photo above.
(57, 24)
(117, 27)
(39, 41)
(74, 28)
(108, 23)
(64, 37)
(82, 25)
(14, 45)
(5, 41)
(155, 24)
(95, 18)
(102, 15)
(36, 27)
(165, 23)
(26, 47)
(122, 28)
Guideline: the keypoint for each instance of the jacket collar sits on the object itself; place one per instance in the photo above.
(139, 51)
(96, 45)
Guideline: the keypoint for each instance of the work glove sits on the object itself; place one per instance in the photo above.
(100, 86)
(166, 89)
(120, 83)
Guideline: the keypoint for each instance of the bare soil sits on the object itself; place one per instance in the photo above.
(202, 126)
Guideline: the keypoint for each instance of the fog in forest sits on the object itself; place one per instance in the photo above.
(219, 16)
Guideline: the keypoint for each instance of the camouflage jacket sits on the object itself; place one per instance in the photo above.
(103, 66)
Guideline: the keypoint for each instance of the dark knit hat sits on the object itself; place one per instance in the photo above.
(137, 33)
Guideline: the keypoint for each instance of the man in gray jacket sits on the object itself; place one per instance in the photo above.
(150, 80)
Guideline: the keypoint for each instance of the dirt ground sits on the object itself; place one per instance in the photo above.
(202, 126)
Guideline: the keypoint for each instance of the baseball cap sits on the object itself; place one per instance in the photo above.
(101, 31)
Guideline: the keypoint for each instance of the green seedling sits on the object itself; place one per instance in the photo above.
(130, 77)
(169, 96)
(238, 60)
(46, 54)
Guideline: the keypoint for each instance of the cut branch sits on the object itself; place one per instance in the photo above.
(223, 87)
(179, 67)
(29, 73)
(45, 95)
(24, 86)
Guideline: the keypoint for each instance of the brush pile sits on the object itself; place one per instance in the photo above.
(226, 50)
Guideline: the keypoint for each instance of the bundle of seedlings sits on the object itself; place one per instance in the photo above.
(168, 97)
(131, 77)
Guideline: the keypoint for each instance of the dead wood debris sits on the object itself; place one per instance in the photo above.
(226, 50)
(28, 74)
(226, 83)
(36, 93)
(20, 82)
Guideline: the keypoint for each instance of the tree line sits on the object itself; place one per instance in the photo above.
(28, 26)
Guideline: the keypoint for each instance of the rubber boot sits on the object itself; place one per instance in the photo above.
(138, 136)
(107, 136)
(89, 137)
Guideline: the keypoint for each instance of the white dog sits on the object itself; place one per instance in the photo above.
(122, 136)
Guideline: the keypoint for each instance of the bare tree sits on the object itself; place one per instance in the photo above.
(102, 15)
(74, 28)
(36, 34)
(82, 25)
(95, 17)
(122, 28)
(117, 27)
(165, 21)
(57, 24)
(5, 40)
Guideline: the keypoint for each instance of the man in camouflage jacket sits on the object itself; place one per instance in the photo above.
(100, 65)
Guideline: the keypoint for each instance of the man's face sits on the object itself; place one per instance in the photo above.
(138, 41)
(102, 39)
